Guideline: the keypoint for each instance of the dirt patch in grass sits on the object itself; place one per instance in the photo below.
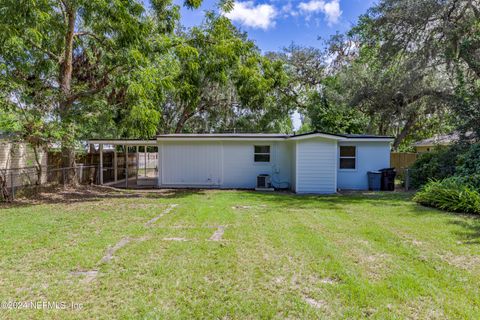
(86, 193)
(424, 308)
(375, 265)
(328, 281)
(465, 262)
(166, 211)
(175, 239)
(245, 207)
(111, 251)
(218, 234)
(88, 275)
(317, 304)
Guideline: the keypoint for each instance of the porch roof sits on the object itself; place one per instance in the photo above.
(124, 142)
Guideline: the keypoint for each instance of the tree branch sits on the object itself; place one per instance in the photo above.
(45, 51)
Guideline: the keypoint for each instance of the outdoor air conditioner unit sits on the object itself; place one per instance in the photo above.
(263, 181)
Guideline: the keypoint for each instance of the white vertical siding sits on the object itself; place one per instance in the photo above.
(316, 166)
(191, 164)
(229, 164)
(240, 169)
(293, 166)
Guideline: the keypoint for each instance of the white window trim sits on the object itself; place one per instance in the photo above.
(262, 153)
(340, 157)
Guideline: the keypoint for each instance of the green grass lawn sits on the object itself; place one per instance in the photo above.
(280, 256)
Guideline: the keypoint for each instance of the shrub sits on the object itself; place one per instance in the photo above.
(455, 194)
(436, 165)
(469, 162)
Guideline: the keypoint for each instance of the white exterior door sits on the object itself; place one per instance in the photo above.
(191, 164)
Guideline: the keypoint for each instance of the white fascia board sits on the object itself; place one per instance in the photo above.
(316, 135)
(218, 139)
(366, 140)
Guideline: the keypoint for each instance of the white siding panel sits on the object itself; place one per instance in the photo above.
(316, 166)
(371, 156)
(293, 166)
(191, 164)
(229, 164)
(240, 170)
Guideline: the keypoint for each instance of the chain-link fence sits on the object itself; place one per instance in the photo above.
(15, 180)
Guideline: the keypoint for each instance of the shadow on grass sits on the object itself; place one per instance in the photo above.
(81, 194)
(470, 233)
(470, 225)
(337, 200)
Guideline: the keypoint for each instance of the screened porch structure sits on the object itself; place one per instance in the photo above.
(125, 163)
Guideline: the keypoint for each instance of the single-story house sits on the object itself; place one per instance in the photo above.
(311, 163)
(440, 140)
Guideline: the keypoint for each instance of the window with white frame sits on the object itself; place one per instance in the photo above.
(261, 154)
(348, 157)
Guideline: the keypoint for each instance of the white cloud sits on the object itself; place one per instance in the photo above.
(288, 10)
(331, 9)
(255, 16)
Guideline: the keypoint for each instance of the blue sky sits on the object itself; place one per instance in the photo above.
(274, 24)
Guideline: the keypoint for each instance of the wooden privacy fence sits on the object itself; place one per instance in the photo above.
(402, 160)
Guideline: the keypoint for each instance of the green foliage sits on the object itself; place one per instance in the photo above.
(327, 112)
(467, 108)
(223, 83)
(317, 94)
(469, 163)
(440, 39)
(461, 160)
(451, 194)
(436, 165)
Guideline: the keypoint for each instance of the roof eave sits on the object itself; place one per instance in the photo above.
(371, 139)
(163, 139)
(316, 135)
(128, 142)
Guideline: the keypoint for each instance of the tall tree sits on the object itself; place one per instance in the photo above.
(314, 90)
(223, 83)
(437, 34)
(71, 54)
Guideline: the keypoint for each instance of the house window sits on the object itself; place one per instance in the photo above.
(348, 157)
(262, 154)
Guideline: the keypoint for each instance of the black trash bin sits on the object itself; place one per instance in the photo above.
(374, 180)
(388, 179)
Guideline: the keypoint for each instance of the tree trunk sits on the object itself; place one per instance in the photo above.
(181, 122)
(4, 193)
(66, 103)
(38, 162)
(405, 131)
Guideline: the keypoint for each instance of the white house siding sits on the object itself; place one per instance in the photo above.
(371, 156)
(293, 166)
(316, 166)
(241, 171)
(230, 164)
(190, 164)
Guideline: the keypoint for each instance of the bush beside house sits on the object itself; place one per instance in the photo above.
(452, 194)
(449, 178)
